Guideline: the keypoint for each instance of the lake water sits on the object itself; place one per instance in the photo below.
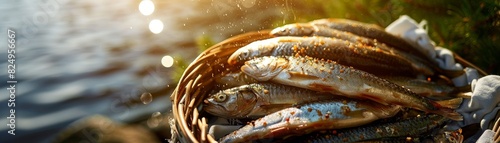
(75, 59)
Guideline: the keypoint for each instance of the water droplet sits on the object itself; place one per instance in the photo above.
(146, 98)
(155, 120)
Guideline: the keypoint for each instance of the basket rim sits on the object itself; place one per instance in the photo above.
(197, 80)
(194, 80)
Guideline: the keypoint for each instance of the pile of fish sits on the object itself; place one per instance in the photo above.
(336, 80)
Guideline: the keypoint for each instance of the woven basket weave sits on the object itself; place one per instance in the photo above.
(198, 79)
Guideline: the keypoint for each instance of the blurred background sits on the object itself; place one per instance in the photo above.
(122, 59)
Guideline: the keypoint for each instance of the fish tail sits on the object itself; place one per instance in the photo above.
(452, 73)
(465, 88)
(448, 112)
(453, 115)
(464, 92)
(463, 95)
(450, 103)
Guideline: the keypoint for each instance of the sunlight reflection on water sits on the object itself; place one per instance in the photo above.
(156, 26)
(167, 61)
(146, 7)
(99, 57)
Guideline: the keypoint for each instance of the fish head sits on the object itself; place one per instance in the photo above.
(297, 29)
(264, 68)
(234, 102)
(254, 49)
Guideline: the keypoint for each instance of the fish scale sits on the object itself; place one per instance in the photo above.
(309, 29)
(371, 31)
(304, 72)
(412, 127)
(259, 99)
(312, 117)
(427, 88)
(361, 56)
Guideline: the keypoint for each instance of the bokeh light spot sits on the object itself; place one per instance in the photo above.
(156, 26)
(146, 7)
(248, 3)
(167, 61)
(155, 120)
(146, 98)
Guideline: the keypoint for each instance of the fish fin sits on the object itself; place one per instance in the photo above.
(450, 103)
(455, 116)
(301, 76)
(460, 92)
(466, 88)
(464, 95)
(452, 73)
(463, 92)
(449, 113)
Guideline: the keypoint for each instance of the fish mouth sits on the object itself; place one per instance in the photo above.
(279, 31)
(238, 56)
(233, 59)
(247, 68)
(214, 109)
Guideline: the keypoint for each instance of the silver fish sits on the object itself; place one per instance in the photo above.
(373, 60)
(413, 128)
(371, 31)
(309, 29)
(312, 29)
(376, 32)
(311, 117)
(259, 99)
(328, 76)
(429, 89)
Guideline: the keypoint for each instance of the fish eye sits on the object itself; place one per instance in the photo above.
(245, 54)
(283, 31)
(220, 98)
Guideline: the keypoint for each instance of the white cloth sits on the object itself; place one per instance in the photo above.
(409, 30)
(414, 33)
(486, 137)
(484, 104)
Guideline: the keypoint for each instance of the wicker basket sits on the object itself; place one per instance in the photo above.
(197, 80)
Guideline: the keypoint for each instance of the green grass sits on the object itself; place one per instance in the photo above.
(469, 28)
